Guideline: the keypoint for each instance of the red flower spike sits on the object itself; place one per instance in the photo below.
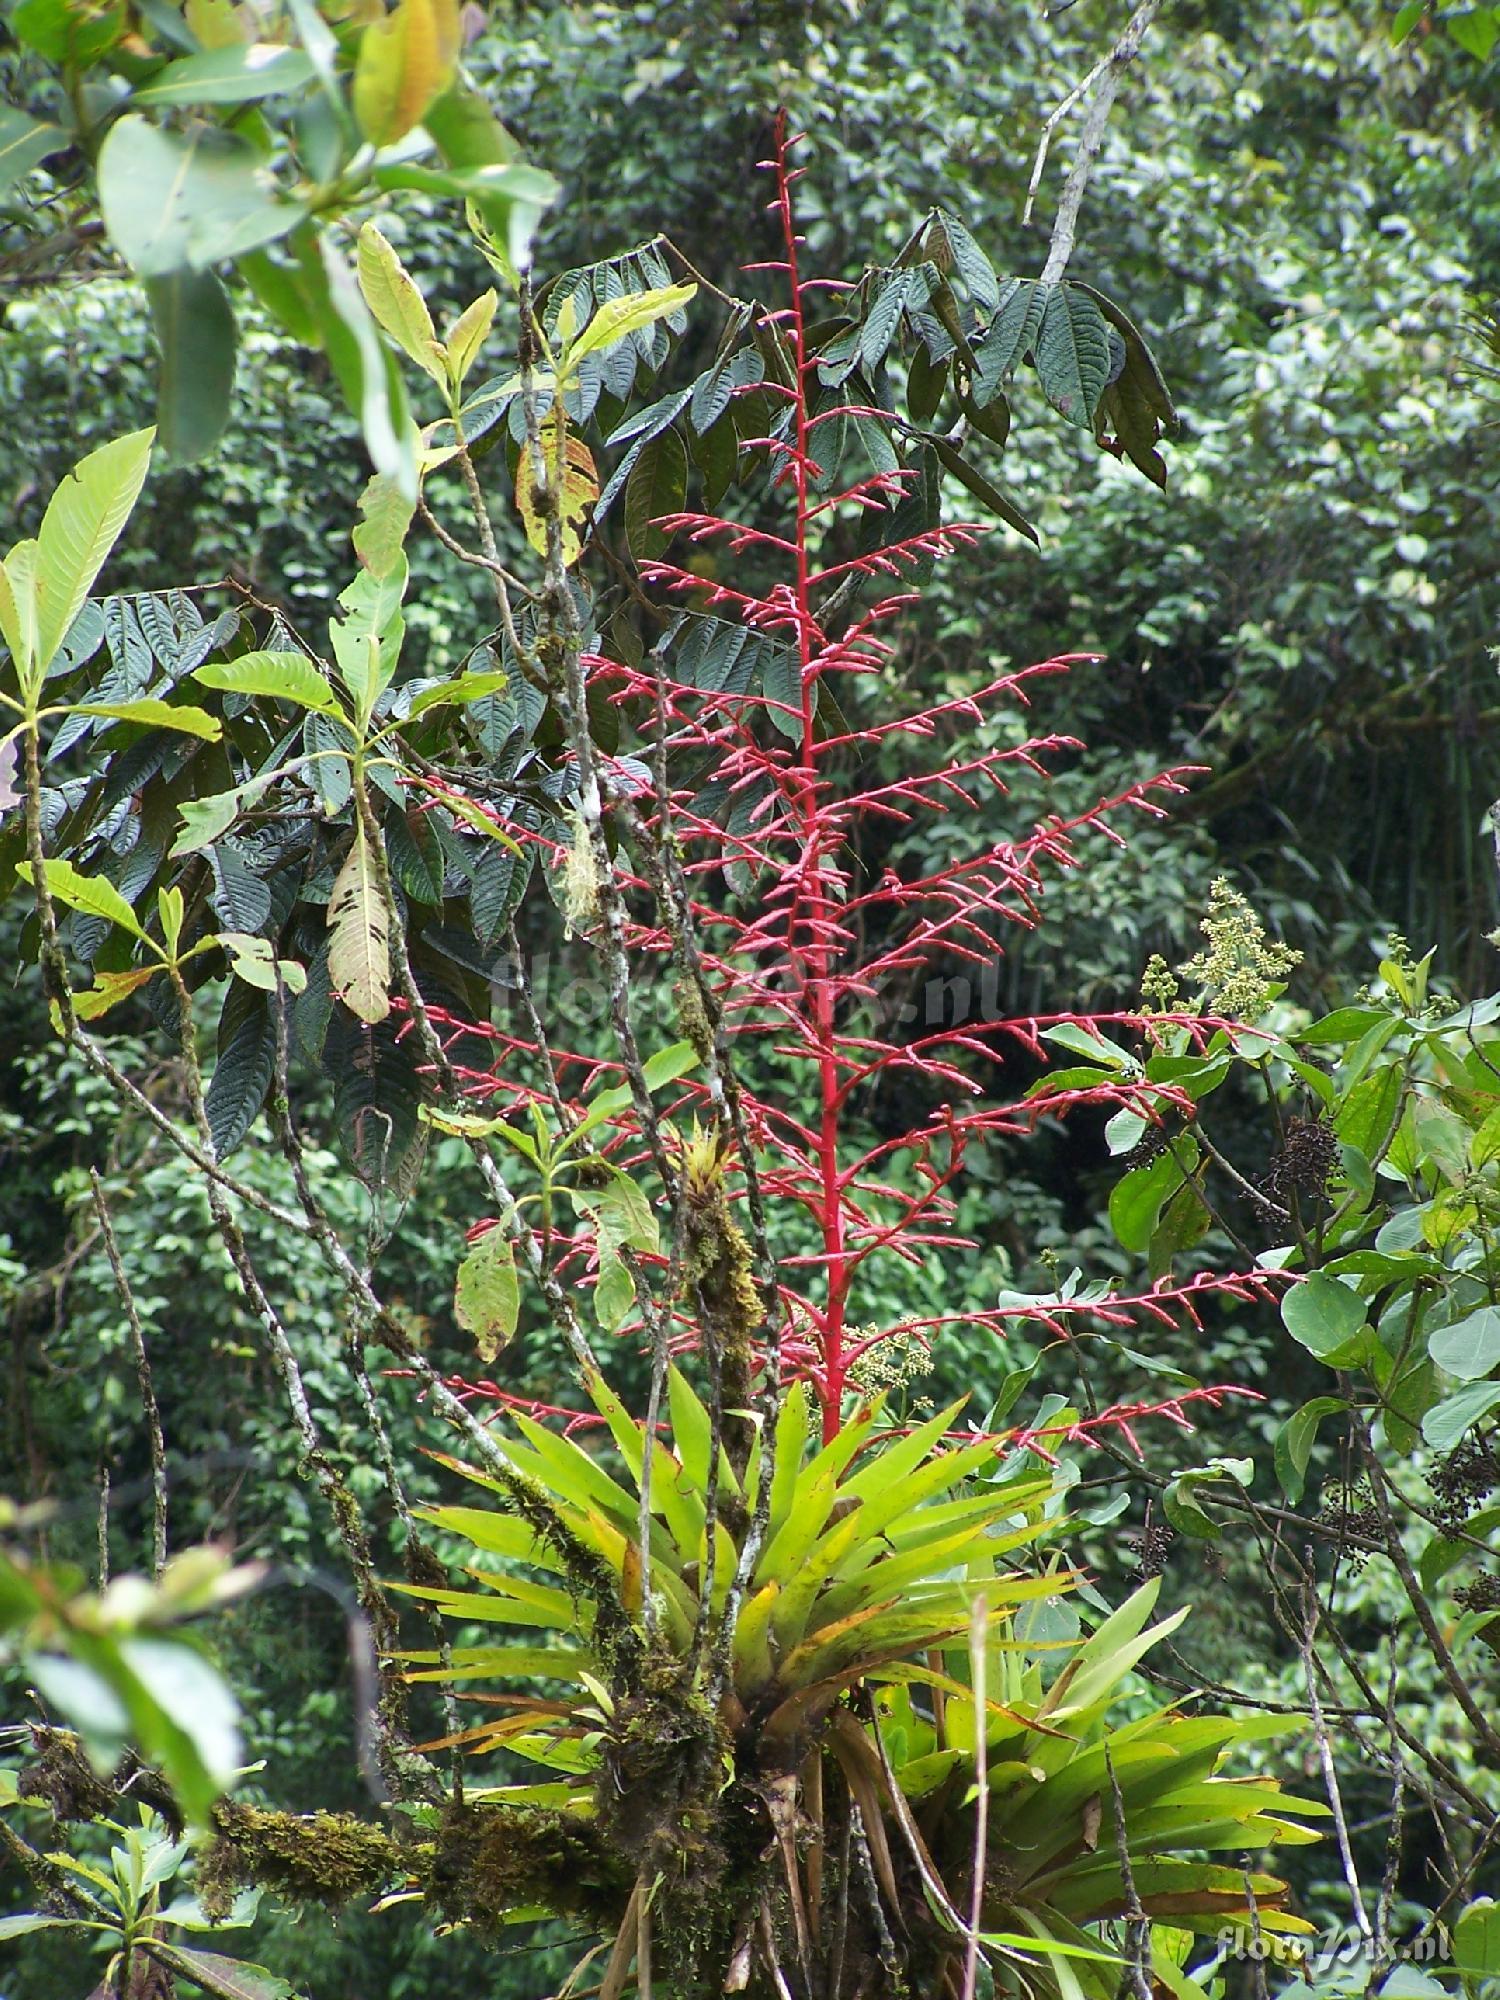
(804, 962)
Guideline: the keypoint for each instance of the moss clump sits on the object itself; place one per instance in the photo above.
(488, 1860)
(61, 1778)
(317, 1858)
(717, 1271)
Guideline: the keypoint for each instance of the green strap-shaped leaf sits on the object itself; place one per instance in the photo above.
(237, 74)
(194, 326)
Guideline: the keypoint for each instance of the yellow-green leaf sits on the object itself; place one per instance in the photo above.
(359, 955)
(286, 676)
(156, 714)
(618, 317)
(18, 605)
(82, 522)
(392, 296)
(487, 1296)
(109, 989)
(89, 893)
(468, 335)
(405, 62)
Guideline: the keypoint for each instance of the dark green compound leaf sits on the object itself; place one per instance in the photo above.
(244, 1067)
(1010, 336)
(1072, 353)
(657, 485)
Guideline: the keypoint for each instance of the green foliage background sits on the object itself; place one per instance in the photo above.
(1299, 215)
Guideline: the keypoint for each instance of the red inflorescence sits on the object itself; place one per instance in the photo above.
(806, 966)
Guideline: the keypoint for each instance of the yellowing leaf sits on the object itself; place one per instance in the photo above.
(405, 61)
(359, 954)
(392, 296)
(156, 715)
(18, 605)
(580, 489)
(108, 990)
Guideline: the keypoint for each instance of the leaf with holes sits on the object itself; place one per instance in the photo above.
(487, 1295)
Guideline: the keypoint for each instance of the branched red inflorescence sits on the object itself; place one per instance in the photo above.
(812, 967)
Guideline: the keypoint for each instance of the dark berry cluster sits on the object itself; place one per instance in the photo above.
(1351, 1512)
(1152, 1546)
(1150, 1146)
(1309, 1153)
(1483, 1594)
(1468, 1475)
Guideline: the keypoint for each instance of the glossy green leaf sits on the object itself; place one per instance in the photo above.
(24, 144)
(236, 74)
(1469, 1347)
(1295, 1440)
(1447, 1422)
(1322, 1313)
(194, 197)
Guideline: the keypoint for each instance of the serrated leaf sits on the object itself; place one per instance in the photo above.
(392, 296)
(359, 959)
(1072, 353)
(1010, 336)
(81, 525)
(406, 60)
(245, 1066)
(487, 1294)
(657, 486)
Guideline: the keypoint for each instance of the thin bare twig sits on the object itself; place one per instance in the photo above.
(1109, 74)
(156, 1441)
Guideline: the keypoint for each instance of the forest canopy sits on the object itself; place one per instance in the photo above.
(752, 1135)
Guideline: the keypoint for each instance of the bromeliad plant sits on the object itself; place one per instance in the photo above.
(748, 1670)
